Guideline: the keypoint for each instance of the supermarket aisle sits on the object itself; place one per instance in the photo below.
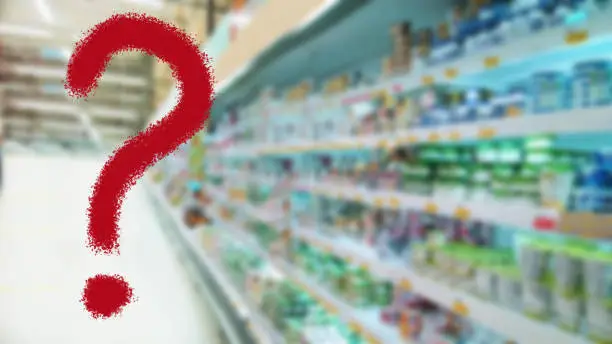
(44, 263)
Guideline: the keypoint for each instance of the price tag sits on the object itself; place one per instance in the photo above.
(451, 73)
(431, 208)
(383, 144)
(513, 111)
(576, 37)
(427, 80)
(394, 202)
(371, 339)
(358, 198)
(405, 284)
(460, 308)
(491, 62)
(412, 139)
(364, 266)
(355, 326)
(378, 202)
(462, 213)
(455, 136)
(330, 308)
(433, 137)
(486, 133)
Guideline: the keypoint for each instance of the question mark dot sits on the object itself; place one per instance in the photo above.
(105, 296)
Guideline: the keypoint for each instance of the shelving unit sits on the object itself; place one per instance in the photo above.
(336, 166)
(239, 319)
(508, 322)
(362, 322)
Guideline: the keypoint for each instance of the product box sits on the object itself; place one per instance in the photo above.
(587, 225)
(432, 104)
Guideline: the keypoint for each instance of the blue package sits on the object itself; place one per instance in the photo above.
(517, 99)
(444, 50)
(592, 82)
(494, 19)
(590, 192)
(604, 159)
(468, 110)
(551, 92)
(433, 108)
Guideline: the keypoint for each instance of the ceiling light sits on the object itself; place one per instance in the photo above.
(17, 30)
(45, 11)
(157, 4)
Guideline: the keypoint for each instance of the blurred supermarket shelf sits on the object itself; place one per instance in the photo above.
(251, 317)
(509, 323)
(519, 215)
(364, 322)
(568, 122)
(262, 213)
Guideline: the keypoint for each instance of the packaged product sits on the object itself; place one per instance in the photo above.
(551, 92)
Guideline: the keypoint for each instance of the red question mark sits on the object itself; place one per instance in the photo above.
(106, 295)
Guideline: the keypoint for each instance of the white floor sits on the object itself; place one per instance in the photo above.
(44, 264)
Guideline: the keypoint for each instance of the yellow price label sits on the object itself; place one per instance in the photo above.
(455, 136)
(433, 137)
(431, 208)
(405, 284)
(462, 213)
(412, 139)
(330, 308)
(394, 202)
(486, 133)
(491, 62)
(427, 80)
(576, 37)
(460, 308)
(358, 198)
(355, 326)
(513, 111)
(372, 340)
(378, 202)
(383, 144)
(451, 73)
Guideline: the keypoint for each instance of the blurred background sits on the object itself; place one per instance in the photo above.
(372, 171)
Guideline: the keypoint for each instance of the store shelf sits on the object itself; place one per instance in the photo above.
(364, 322)
(250, 318)
(262, 214)
(509, 323)
(521, 216)
(506, 322)
(568, 122)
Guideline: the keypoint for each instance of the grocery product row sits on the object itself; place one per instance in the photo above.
(457, 194)
(528, 183)
(273, 308)
(545, 80)
(377, 309)
(481, 283)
